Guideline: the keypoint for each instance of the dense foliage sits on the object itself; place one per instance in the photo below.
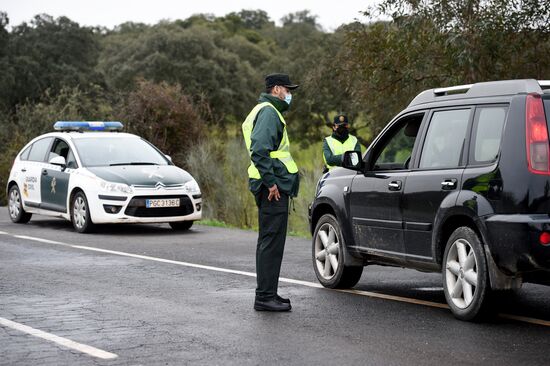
(187, 85)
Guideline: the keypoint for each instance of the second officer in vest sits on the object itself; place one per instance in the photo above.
(273, 179)
(335, 145)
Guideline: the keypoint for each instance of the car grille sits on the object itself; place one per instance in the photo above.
(158, 186)
(137, 208)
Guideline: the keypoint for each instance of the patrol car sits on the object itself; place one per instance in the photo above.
(91, 173)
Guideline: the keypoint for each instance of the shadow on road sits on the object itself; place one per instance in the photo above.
(114, 229)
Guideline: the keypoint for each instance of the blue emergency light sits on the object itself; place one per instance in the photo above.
(87, 126)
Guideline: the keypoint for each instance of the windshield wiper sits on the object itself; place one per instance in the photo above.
(134, 163)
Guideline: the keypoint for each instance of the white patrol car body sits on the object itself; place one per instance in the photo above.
(139, 193)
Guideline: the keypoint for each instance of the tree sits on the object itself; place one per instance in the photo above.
(49, 54)
(439, 43)
(255, 19)
(303, 16)
(196, 58)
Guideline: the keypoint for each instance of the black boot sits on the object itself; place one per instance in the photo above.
(271, 305)
(282, 299)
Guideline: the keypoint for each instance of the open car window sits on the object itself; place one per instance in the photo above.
(395, 150)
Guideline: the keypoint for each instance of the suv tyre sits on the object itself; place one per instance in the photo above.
(465, 275)
(15, 206)
(328, 258)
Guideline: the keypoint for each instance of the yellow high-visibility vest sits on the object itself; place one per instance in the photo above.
(338, 148)
(282, 153)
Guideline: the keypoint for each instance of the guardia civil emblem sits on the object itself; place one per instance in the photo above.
(54, 182)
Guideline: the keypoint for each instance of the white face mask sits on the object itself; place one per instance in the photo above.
(288, 98)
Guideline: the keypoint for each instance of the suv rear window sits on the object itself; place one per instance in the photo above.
(487, 134)
(445, 139)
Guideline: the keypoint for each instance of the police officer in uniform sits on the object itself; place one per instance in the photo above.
(273, 179)
(335, 145)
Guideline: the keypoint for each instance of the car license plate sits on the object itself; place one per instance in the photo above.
(171, 202)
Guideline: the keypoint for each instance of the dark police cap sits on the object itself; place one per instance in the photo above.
(341, 119)
(279, 79)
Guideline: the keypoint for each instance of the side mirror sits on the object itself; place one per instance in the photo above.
(169, 158)
(58, 160)
(352, 160)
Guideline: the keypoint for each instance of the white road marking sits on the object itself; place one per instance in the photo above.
(428, 288)
(281, 279)
(525, 319)
(92, 351)
(396, 298)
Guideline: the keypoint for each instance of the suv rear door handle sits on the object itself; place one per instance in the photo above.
(395, 185)
(449, 184)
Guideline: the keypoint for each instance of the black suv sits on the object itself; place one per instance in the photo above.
(458, 182)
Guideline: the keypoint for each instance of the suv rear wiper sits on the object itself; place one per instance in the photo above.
(134, 163)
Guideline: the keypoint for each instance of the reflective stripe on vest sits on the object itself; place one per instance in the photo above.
(282, 153)
(339, 148)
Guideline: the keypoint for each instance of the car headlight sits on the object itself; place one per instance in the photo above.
(115, 187)
(191, 187)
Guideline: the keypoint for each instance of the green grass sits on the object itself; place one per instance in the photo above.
(216, 223)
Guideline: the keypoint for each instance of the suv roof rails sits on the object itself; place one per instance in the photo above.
(478, 90)
(545, 86)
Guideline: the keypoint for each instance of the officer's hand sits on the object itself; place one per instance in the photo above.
(274, 193)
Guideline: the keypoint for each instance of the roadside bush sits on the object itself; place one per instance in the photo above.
(164, 115)
(221, 171)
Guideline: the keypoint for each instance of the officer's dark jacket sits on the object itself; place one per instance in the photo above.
(266, 137)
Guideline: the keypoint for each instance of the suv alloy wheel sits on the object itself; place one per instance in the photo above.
(328, 258)
(465, 275)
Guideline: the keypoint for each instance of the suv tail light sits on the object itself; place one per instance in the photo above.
(536, 132)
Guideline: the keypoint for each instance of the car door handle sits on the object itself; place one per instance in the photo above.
(449, 184)
(395, 185)
(44, 172)
(23, 170)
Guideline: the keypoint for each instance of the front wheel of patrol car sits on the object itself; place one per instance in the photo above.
(80, 214)
(181, 225)
(465, 275)
(15, 206)
(327, 254)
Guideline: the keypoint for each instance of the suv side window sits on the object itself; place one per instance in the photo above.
(487, 134)
(445, 139)
(395, 153)
(39, 149)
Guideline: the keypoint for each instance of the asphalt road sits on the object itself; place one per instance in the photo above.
(146, 295)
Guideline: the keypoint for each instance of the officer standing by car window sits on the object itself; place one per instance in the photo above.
(273, 179)
(335, 145)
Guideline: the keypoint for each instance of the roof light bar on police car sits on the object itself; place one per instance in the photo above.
(87, 126)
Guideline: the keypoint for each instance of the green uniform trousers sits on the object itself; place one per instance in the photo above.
(272, 220)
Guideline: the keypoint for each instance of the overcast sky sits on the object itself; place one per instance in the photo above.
(109, 13)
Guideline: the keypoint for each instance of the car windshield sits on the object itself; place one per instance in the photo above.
(112, 151)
